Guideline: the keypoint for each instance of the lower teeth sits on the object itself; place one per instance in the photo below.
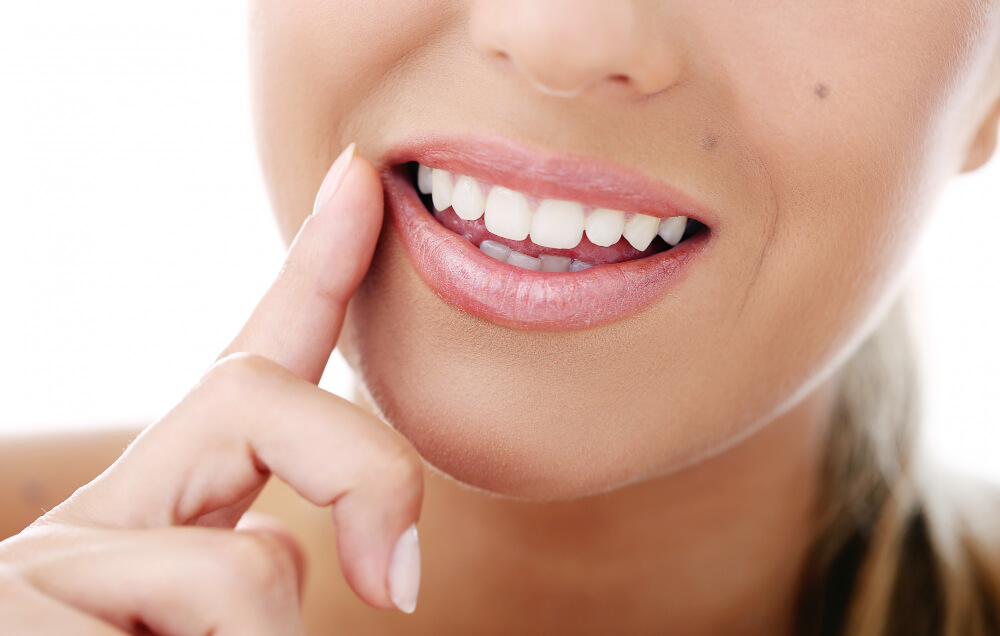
(544, 263)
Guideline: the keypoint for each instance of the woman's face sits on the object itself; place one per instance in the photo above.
(811, 137)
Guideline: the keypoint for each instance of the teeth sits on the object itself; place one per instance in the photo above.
(508, 214)
(425, 179)
(640, 230)
(552, 263)
(605, 227)
(467, 199)
(523, 260)
(557, 224)
(443, 188)
(544, 263)
(498, 251)
(672, 229)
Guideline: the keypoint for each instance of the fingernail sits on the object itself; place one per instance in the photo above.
(334, 177)
(404, 571)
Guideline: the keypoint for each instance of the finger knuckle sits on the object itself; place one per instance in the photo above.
(317, 269)
(293, 268)
(231, 376)
(402, 469)
(259, 566)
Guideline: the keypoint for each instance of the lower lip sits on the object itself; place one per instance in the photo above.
(510, 296)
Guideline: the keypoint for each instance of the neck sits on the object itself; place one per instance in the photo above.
(716, 548)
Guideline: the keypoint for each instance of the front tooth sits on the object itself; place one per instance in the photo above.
(553, 263)
(442, 189)
(579, 266)
(467, 199)
(557, 224)
(640, 230)
(498, 251)
(605, 227)
(424, 179)
(523, 260)
(672, 229)
(508, 214)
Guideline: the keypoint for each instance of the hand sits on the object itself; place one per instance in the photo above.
(153, 543)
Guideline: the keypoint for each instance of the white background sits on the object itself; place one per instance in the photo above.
(135, 235)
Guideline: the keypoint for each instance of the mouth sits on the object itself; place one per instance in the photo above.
(548, 235)
(536, 241)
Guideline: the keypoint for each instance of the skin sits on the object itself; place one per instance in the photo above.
(822, 166)
(822, 169)
(633, 493)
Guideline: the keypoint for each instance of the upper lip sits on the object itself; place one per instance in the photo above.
(547, 174)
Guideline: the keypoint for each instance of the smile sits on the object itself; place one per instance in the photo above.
(538, 241)
(548, 235)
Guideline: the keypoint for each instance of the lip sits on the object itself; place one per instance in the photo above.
(506, 295)
(589, 181)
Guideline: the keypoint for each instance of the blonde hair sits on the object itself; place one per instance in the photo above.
(896, 555)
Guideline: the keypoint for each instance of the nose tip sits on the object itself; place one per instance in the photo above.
(563, 47)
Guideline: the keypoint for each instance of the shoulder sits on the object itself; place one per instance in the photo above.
(39, 471)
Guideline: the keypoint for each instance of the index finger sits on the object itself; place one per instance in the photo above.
(297, 322)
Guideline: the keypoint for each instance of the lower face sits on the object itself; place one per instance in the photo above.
(806, 172)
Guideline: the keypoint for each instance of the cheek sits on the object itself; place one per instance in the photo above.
(851, 147)
(318, 68)
(854, 154)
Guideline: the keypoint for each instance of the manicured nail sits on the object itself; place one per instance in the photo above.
(334, 177)
(404, 571)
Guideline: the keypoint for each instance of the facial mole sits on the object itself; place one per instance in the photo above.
(822, 91)
(708, 142)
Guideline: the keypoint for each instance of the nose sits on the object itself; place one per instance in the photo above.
(565, 46)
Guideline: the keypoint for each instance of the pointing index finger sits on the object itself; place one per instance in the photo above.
(297, 322)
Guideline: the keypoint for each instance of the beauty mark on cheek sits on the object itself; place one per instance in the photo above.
(709, 142)
(822, 91)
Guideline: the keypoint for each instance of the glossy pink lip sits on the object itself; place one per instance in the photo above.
(548, 175)
(513, 297)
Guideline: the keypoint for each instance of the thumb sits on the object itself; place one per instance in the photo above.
(275, 528)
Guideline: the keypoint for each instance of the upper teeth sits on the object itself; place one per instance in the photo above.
(553, 223)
